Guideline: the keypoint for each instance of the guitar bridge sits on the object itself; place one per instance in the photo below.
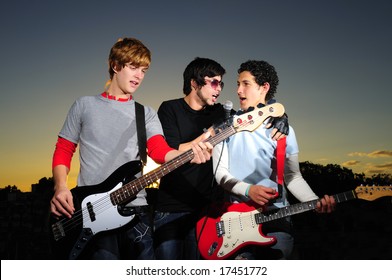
(220, 228)
(58, 231)
(212, 248)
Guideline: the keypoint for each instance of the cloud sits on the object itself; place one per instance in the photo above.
(358, 154)
(385, 165)
(371, 168)
(322, 160)
(375, 154)
(350, 163)
(380, 168)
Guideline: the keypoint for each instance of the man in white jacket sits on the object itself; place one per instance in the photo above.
(246, 164)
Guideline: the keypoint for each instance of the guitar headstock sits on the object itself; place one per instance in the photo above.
(373, 192)
(251, 120)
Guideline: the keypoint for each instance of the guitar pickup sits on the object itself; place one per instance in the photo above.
(91, 211)
(220, 228)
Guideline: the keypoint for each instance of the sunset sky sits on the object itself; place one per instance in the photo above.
(333, 58)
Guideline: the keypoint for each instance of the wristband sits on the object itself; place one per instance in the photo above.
(247, 191)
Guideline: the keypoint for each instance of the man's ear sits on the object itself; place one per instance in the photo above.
(266, 86)
(194, 84)
(115, 67)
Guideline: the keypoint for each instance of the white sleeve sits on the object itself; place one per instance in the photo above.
(220, 159)
(295, 183)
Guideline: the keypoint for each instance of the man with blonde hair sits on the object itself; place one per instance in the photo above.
(104, 127)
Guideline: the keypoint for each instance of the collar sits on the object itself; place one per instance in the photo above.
(111, 97)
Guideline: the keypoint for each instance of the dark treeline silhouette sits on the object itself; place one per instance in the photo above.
(358, 229)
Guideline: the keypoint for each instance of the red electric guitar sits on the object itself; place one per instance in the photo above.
(237, 225)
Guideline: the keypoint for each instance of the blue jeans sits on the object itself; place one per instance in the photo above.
(133, 241)
(175, 236)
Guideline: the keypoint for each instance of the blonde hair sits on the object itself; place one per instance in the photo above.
(128, 50)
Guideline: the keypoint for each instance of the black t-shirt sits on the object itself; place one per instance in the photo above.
(192, 186)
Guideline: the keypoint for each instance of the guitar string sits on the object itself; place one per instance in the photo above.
(102, 204)
(302, 207)
(360, 192)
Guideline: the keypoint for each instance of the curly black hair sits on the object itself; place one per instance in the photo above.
(263, 73)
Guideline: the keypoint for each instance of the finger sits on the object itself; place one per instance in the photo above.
(207, 155)
(319, 206)
(202, 152)
(209, 145)
(71, 204)
(333, 203)
(54, 211)
(205, 151)
(195, 158)
(269, 191)
(279, 136)
(206, 135)
(263, 200)
(258, 199)
(59, 210)
(65, 205)
(196, 153)
(202, 146)
(329, 203)
(270, 121)
(70, 210)
(325, 205)
(274, 132)
(65, 211)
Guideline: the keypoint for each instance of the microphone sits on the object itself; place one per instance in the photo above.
(227, 106)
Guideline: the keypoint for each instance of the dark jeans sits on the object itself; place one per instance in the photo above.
(175, 236)
(133, 241)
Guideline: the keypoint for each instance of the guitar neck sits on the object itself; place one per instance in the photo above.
(249, 121)
(300, 208)
(129, 190)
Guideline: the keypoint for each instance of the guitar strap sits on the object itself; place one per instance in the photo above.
(141, 132)
(280, 158)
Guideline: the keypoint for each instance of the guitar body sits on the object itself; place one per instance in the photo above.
(227, 229)
(94, 213)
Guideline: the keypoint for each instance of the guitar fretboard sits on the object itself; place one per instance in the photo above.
(250, 121)
(129, 190)
(299, 208)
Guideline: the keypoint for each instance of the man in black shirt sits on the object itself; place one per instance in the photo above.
(184, 193)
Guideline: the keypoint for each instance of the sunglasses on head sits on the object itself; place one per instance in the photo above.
(215, 83)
